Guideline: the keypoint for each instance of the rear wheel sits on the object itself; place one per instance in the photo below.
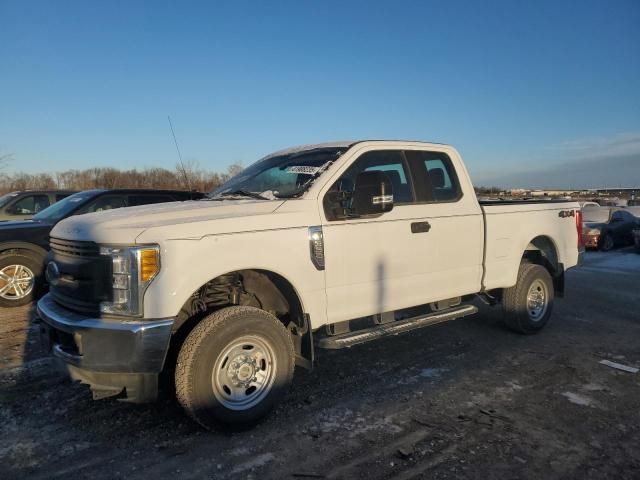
(234, 366)
(19, 278)
(527, 305)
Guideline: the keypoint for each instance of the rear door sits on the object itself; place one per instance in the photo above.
(623, 223)
(451, 259)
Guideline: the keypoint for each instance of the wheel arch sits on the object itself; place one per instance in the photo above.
(261, 288)
(543, 251)
(18, 245)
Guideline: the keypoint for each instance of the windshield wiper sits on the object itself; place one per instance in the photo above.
(289, 195)
(240, 193)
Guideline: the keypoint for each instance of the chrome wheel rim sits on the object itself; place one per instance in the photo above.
(537, 297)
(244, 373)
(16, 282)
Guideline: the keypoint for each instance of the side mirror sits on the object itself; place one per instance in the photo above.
(372, 194)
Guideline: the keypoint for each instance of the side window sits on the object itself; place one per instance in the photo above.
(60, 196)
(435, 177)
(135, 200)
(30, 205)
(102, 204)
(391, 162)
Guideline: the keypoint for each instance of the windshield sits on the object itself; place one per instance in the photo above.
(64, 207)
(4, 199)
(280, 176)
(595, 215)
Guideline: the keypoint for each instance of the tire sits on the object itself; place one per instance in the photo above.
(607, 243)
(19, 265)
(528, 304)
(246, 386)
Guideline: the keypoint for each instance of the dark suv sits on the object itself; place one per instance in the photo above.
(23, 205)
(24, 244)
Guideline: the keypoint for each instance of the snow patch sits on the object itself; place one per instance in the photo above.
(432, 372)
(578, 399)
(257, 461)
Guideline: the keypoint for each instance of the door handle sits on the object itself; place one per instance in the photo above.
(420, 227)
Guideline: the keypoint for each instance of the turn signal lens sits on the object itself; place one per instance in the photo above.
(149, 264)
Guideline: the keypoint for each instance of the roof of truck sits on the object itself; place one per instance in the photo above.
(337, 145)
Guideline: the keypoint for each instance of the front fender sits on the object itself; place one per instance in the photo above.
(17, 245)
(189, 264)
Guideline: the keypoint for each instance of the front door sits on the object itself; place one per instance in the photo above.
(428, 248)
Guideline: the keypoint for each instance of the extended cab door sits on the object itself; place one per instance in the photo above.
(428, 248)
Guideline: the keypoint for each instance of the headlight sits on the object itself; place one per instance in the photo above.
(133, 269)
(590, 231)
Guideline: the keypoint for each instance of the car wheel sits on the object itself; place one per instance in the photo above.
(19, 278)
(528, 304)
(607, 243)
(234, 366)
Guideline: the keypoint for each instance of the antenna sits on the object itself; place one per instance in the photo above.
(184, 171)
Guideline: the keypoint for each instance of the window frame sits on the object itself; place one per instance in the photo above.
(446, 160)
(11, 208)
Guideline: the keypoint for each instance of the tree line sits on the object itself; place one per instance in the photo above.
(188, 178)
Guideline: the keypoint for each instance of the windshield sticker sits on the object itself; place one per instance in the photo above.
(305, 170)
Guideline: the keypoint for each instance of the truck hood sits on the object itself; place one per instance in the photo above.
(171, 220)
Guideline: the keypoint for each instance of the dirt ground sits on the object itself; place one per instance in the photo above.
(464, 399)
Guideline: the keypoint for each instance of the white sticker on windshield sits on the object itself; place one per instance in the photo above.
(305, 170)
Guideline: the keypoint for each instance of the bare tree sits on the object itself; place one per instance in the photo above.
(5, 160)
(195, 179)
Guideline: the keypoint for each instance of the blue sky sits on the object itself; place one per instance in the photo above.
(517, 87)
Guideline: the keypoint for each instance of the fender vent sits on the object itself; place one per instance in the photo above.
(316, 247)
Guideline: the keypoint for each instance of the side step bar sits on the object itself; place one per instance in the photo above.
(349, 339)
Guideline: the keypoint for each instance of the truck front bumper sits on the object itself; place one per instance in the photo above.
(109, 355)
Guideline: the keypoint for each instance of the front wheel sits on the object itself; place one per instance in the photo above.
(527, 305)
(234, 366)
(607, 243)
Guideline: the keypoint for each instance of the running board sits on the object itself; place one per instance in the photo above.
(349, 339)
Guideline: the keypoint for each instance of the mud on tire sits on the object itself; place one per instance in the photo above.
(234, 367)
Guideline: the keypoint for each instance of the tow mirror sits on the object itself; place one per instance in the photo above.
(372, 194)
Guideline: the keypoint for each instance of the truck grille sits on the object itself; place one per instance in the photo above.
(74, 249)
(84, 278)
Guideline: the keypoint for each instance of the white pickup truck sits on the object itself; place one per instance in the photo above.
(321, 246)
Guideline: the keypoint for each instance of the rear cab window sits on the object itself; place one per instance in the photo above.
(434, 177)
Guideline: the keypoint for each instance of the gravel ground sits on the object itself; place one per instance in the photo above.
(464, 399)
